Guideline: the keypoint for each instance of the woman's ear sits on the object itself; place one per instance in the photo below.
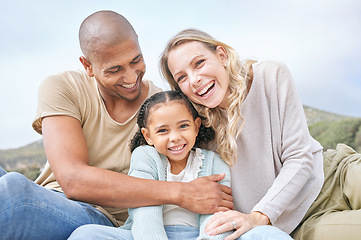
(146, 135)
(198, 123)
(222, 54)
(87, 66)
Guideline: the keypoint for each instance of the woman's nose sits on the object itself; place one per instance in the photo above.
(195, 80)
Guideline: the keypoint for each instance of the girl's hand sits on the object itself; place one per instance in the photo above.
(225, 221)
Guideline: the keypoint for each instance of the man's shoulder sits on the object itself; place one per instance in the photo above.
(73, 81)
(153, 89)
(69, 76)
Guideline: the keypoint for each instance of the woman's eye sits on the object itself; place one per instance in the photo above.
(180, 78)
(199, 62)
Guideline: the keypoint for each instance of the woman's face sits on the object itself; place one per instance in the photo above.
(200, 73)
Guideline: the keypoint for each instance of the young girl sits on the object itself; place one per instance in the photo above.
(166, 149)
(260, 129)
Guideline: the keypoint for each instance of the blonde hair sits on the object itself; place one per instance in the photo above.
(239, 73)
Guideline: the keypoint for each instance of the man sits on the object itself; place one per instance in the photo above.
(87, 120)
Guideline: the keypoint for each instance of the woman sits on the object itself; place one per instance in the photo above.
(260, 127)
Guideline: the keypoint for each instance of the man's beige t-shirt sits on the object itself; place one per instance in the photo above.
(75, 94)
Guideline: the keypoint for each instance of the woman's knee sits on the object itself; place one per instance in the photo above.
(2, 172)
(265, 232)
(82, 232)
(95, 232)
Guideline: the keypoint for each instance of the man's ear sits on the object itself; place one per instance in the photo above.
(87, 66)
(146, 135)
(198, 123)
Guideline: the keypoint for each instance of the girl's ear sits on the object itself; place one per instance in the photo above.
(198, 123)
(222, 54)
(146, 135)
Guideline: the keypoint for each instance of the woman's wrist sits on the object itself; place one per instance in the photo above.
(262, 218)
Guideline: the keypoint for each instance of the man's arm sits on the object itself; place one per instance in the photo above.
(67, 153)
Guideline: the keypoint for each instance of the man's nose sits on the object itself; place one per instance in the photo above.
(130, 75)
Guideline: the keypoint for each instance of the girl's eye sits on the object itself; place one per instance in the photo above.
(184, 125)
(161, 131)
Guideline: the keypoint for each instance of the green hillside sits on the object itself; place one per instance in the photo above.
(28, 160)
(330, 133)
(327, 128)
(330, 129)
(314, 115)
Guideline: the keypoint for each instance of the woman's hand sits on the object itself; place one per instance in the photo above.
(229, 220)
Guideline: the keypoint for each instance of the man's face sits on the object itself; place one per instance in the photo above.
(119, 70)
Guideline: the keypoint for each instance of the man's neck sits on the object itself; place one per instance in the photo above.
(120, 110)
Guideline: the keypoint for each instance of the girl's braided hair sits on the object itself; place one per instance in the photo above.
(205, 134)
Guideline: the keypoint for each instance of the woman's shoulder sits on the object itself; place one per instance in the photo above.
(268, 65)
(271, 74)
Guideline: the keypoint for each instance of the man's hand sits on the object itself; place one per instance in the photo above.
(205, 195)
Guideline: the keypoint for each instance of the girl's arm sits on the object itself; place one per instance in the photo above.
(147, 222)
(215, 165)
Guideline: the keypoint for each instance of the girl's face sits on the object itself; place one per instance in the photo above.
(200, 73)
(173, 131)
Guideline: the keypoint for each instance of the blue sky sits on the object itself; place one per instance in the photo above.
(318, 40)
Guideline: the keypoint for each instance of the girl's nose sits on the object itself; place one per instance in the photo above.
(175, 136)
